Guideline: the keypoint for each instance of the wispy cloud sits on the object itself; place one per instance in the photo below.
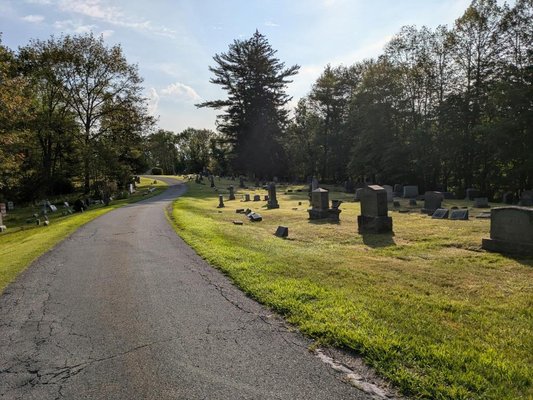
(153, 101)
(181, 92)
(33, 18)
(271, 24)
(70, 26)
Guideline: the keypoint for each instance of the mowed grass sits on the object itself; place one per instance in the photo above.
(426, 307)
(21, 244)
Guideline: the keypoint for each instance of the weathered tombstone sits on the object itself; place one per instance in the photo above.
(472, 193)
(358, 193)
(526, 198)
(441, 213)
(246, 197)
(282, 232)
(10, 206)
(412, 202)
(220, 201)
(459, 215)
(508, 198)
(398, 190)
(255, 217)
(52, 207)
(314, 184)
(390, 192)
(410, 192)
(257, 197)
(231, 193)
(3, 209)
(511, 231)
(432, 201)
(374, 211)
(241, 182)
(272, 199)
(320, 206)
(481, 202)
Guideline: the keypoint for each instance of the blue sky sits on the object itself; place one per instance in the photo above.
(173, 42)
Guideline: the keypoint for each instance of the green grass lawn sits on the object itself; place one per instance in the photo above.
(22, 243)
(426, 307)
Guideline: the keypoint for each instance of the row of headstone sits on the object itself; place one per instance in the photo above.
(457, 214)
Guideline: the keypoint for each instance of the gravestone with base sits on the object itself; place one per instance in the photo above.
(257, 197)
(374, 211)
(272, 199)
(432, 201)
(410, 192)
(220, 201)
(320, 206)
(231, 193)
(511, 231)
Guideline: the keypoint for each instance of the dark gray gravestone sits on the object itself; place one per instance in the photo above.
(220, 201)
(511, 231)
(440, 213)
(246, 197)
(460, 215)
(390, 193)
(272, 199)
(526, 198)
(508, 198)
(481, 202)
(432, 201)
(257, 197)
(410, 192)
(231, 193)
(282, 232)
(255, 217)
(472, 193)
(358, 193)
(265, 198)
(320, 206)
(10, 206)
(374, 211)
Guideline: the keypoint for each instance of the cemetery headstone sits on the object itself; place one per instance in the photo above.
(257, 197)
(212, 180)
(265, 198)
(432, 201)
(481, 202)
(459, 214)
(358, 193)
(231, 193)
(220, 201)
(508, 198)
(441, 213)
(255, 217)
(246, 197)
(272, 199)
(282, 231)
(390, 192)
(398, 190)
(10, 206)
(52, 207)
(410, 192)
(336, 203)
(320, 206)
(3, 209)
(526, 198)
(374, 211)
(314, 184)
(511, 231)
(472, 193)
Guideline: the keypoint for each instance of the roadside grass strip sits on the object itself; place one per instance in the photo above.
(426, 307)
(21, 244)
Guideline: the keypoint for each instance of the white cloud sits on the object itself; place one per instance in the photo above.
(271, 24)
(70, 26)
(96, 9)
(33, 18)
(107, 33)
(180, 92)
(153, 101)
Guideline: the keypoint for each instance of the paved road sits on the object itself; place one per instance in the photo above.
(123, 309)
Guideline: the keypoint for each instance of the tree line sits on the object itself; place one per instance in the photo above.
(446, 108)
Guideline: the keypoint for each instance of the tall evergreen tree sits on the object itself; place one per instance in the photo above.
(254, 114)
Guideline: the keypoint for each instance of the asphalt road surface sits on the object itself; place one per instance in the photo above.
(124, 309)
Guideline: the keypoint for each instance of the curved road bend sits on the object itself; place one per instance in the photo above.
(124, 309)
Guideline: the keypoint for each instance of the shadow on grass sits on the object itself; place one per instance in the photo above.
(376, 240)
